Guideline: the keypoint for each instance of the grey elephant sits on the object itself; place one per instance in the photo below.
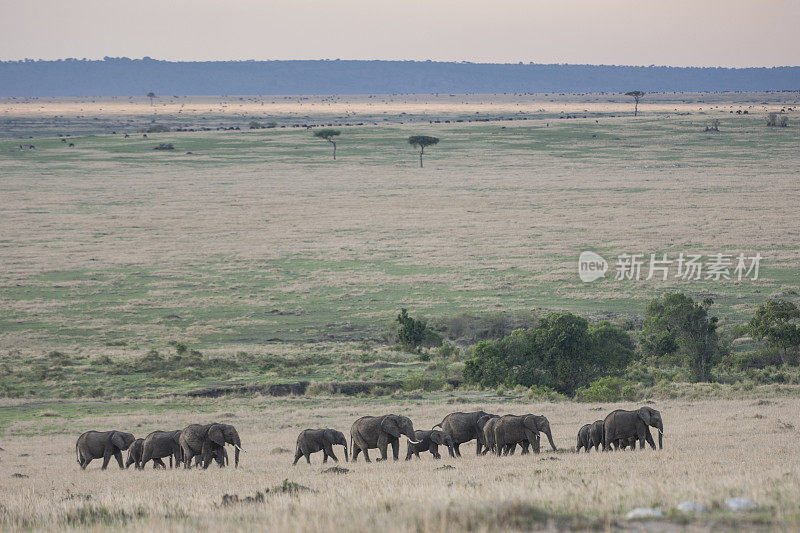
(621, 425)
(584, 438)
(370, 432)
(106, 444)
(135, 454)
(463, 427)
(596, 434)
(512, 429)
(219, 455)
(205, 440)
(485, 425)
(429, 441)
(314, 440)
(160, 444)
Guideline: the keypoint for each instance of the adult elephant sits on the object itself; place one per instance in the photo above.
(485, 425)
(379, 432)
(205, 440)
(513, 429)
(621, 425)
(106, 444)
(160, 444)
(314, 440)
(463, 427)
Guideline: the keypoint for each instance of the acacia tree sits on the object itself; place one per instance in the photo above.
(637, 95)
(328, 134)
(675, 325)
(421, 141)
(151, 95)
(777, 321)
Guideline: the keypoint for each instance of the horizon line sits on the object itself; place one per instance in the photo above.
(454, 62)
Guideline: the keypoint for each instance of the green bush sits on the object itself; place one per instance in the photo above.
(562, 352)
(422, 382)
(544, 394)
(607, 389)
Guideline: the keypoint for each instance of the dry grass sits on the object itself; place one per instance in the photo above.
(713, 451)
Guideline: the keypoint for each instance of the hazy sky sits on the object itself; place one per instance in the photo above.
(643, 32)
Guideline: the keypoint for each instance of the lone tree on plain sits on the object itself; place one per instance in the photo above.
(422, 141)
(637, 95)
(151, 95)
(328, 134)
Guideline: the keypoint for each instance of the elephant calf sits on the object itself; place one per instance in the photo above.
(584, 438)
(596, 434)
(135, 454)
(314, 440)
(106, 444)
(430, 441)
(160, 444)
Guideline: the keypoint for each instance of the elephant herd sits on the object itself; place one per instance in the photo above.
(203, 443)
(493, 434)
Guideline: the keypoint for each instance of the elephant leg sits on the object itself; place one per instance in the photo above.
(297, 455)
(478, 446)
(649, 438)
(409, 453)
(158, 463)
(356, 450)
(383, 446)
(434, 449)
(328, 449)
(395, 449)
(308, 457)
(106, 459)
(455, 447)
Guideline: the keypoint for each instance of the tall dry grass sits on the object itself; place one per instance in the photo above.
(713, 450)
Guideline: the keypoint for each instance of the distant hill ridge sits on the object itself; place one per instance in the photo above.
(124, 77)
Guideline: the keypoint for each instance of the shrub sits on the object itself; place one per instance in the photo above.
(562, 352)
(422, 382)
(157, 128)
(607, 389)
(544, 394)
(446, 350)
(772, 119)
(164, 146)
(256, 125)
(413, 333)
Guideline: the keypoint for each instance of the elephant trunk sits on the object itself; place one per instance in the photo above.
(550, 438)
(346, 457)
(450, 450)
(238, 446)
(411, 439)
(660, 436)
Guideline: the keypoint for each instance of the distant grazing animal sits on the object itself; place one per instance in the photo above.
(71, 145)
(106, 444)
(314, 440)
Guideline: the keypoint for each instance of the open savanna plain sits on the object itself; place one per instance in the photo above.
(713, 450)
(135, 283)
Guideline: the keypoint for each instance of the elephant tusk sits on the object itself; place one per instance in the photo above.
(240, 449)
(661, 432)
(414, 441)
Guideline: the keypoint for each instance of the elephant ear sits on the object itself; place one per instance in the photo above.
(644, 414)
(437, 437)
(216, 435)
(389, 425)
(118, 440)
(530, 423)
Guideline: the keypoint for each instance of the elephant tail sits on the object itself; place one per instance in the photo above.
(439, 425)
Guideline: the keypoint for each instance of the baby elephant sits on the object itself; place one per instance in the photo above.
(430, 441)
(584, 438)
(314, 440)
(135, 454)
